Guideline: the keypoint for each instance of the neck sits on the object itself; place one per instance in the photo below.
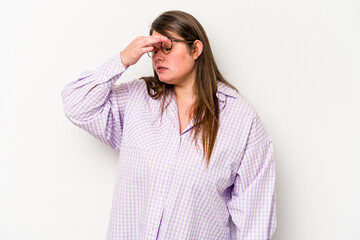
(185, 93)
(185, 90)
(185, 99)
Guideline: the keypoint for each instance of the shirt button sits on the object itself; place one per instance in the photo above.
(160, 198)
(167, 166)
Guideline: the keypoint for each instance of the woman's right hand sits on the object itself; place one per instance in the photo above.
(140, 45)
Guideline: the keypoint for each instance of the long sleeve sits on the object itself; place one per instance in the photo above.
(93, 102)
(252, 204)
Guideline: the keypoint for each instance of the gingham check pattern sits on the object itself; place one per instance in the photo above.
(163, 190)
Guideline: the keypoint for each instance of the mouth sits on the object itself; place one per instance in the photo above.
(161, 68)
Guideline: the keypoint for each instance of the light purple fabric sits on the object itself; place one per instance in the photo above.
(163, 190)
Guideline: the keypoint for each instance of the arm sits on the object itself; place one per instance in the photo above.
(95, 104)
(252, 205)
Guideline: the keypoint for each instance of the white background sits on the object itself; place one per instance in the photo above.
(297, 62)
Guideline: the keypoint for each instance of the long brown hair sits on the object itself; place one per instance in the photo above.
(206, 107)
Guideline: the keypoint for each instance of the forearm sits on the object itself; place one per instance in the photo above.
(83, 97)
(92, 103)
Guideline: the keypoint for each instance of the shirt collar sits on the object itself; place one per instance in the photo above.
(225, 91)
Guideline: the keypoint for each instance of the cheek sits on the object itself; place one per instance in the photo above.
(182, 63)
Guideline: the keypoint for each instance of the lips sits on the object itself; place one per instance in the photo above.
(161, 68)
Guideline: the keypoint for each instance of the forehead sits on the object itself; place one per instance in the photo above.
(169, 35)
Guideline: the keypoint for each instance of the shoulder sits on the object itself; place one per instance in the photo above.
(238, 116)
(137, 84)
(234, 102)
(136, 87)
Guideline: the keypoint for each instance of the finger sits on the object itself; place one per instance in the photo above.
(148, 49)
(155, 39)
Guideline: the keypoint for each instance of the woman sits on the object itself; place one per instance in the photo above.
(195, 161)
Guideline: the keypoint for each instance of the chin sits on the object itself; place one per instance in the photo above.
(165, 80)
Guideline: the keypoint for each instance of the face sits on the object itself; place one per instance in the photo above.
(176, 67)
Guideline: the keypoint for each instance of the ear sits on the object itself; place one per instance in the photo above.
(197, 49)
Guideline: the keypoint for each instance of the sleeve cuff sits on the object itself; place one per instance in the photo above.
(111, 69)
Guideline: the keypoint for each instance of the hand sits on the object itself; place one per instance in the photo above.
(133, 52)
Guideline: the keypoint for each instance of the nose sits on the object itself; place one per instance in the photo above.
(159, 55)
